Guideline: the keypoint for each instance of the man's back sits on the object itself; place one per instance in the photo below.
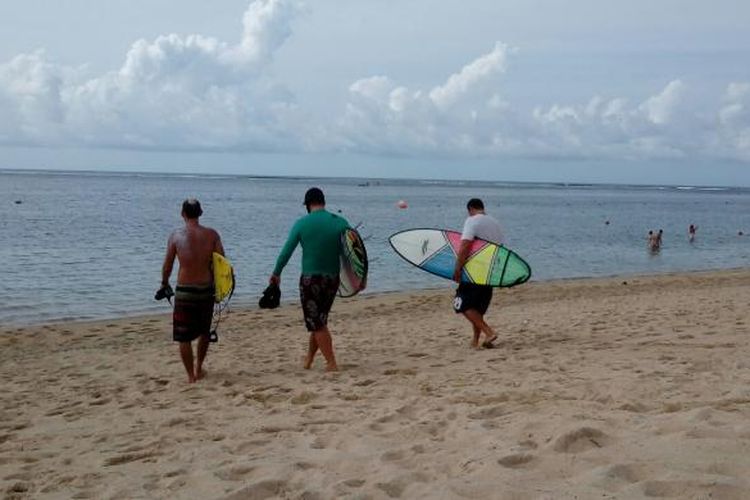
(195, 245)
(320, 237)
(484, 227)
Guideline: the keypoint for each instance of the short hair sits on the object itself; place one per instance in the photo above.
(191, 208)
(475, 203)
(314, 196)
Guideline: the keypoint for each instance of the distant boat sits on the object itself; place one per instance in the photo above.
(364, 184)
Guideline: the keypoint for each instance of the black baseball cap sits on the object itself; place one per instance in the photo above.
(314, 196)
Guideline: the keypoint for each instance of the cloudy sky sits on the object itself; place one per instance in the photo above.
(601, 91)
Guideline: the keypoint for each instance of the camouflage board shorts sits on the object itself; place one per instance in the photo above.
(317, 292)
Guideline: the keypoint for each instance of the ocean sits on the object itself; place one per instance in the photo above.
(79, 245)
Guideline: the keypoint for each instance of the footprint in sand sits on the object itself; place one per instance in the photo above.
(515, 460)
(268, 488)
(580, 440)
(234, 473)
(354, 483)
(128, 457)
(489, 413)
(627, 473)
(392, 456)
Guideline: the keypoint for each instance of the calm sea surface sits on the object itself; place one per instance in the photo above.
(84, 245)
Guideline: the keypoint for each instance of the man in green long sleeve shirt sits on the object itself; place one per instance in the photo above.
(319, 233)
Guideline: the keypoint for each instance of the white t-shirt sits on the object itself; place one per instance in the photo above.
(483, 226)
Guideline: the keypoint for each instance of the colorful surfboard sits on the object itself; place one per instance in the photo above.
(354, 264)
(435, 251)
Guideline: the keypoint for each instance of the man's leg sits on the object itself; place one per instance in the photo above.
(477, 334)
(311, 350)
(202, 349)
(186, 353)
(477, 320)
(325, 343)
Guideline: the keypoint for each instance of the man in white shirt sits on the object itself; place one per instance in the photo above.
(473, 300)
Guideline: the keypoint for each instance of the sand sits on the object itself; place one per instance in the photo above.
(634, 387)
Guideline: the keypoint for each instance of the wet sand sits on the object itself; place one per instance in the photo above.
(596, 389)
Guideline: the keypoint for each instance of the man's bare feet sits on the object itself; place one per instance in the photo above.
(332, 367)
(307, 362)
(489, 343)
(191, 379)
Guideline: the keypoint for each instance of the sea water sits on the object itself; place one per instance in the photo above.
(91, 245)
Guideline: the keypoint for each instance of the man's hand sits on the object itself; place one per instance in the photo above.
(275, 280)
(463, 253)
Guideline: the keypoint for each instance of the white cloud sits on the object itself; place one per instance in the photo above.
(384, 117)
(30, 98)
(471, 75)
(659, 108)
(201, 93)
(174, 92)
(734, 121)
(467, 115)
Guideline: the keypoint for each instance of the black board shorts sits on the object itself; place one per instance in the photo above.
(471, 296)
(317, 292)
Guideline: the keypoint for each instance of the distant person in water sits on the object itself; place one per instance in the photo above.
(691, 233)
(319, 233)
(473, 300)
(193, 246)
(653, 241)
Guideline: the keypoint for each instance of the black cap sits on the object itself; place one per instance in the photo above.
(314, 196)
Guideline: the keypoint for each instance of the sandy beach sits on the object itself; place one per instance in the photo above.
(630, 387)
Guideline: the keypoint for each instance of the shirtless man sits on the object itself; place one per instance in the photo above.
(193, 245)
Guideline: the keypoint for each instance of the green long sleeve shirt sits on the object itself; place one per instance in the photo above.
(319, 233)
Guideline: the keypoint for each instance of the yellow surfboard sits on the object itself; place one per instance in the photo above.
(223, 277)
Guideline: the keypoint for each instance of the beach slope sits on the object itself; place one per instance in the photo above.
(625, 387)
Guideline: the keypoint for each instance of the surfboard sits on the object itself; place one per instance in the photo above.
(223, 277)
(435, 251)
(354, 264)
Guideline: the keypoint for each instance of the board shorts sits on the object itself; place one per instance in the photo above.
(471, 296)
(317, 292)
(193, 312)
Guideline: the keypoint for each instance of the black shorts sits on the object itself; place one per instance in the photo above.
(317, 292)
(471, 296)
(193, 311)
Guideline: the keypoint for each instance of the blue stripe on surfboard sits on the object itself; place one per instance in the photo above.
(442, 263)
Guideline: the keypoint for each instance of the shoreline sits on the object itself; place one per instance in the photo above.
(596, 389)
(135, 315)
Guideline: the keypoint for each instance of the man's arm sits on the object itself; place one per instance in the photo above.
(286, 254)
(166, 270)
(463, 254)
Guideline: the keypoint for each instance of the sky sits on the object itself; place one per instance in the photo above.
(529, 90)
